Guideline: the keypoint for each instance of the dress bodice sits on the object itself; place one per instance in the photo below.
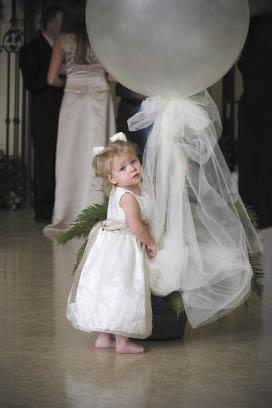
(81, 77)
(116, 212)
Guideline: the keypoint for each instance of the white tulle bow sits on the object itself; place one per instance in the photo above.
(183, 120)
(186, 111)
(118, 136)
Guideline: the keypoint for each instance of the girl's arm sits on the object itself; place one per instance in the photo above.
(133, 217)
(56, 66)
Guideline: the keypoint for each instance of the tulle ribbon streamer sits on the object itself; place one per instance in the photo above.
(199, 221)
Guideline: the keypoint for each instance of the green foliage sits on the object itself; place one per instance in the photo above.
(256, 283)
(252, 216)
(174, 301)
(85, 222)
(243, 212)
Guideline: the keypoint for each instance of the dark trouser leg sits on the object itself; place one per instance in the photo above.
(44, 177)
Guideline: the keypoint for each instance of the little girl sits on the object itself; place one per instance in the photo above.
(112, 294)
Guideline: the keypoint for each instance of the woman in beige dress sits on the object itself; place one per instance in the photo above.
(86, 120)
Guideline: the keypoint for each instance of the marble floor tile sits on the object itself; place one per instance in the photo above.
(45, 363)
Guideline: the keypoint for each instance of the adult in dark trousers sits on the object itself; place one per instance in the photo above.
(255, 120)
(35, 57)
(130, 103)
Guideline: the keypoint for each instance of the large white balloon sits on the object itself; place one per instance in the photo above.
(167, 47)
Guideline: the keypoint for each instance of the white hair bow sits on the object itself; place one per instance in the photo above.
(118, 136)
(97, 150)
(114, 138)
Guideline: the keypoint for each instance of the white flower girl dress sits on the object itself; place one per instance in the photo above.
(111, 290)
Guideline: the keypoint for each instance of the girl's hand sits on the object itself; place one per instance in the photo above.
(151, 251)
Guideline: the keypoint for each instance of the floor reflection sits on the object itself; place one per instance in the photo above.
(121, 374)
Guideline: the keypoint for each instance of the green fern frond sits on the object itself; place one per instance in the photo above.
(85, 222)
(243, 210)
(256, 283)
(252, 216)
(175, 303)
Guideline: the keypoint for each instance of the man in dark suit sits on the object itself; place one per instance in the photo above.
(44, 110)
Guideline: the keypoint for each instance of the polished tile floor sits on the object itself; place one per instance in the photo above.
(45, 363)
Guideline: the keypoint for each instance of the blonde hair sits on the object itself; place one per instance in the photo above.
(102, 162)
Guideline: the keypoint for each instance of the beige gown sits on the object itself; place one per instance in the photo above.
(86, 120)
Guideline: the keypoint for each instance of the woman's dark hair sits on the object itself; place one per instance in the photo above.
(48, 14)
(74, 22)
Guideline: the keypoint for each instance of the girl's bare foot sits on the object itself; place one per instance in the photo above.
(123, 346)
(104, 341)
(129, 348)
